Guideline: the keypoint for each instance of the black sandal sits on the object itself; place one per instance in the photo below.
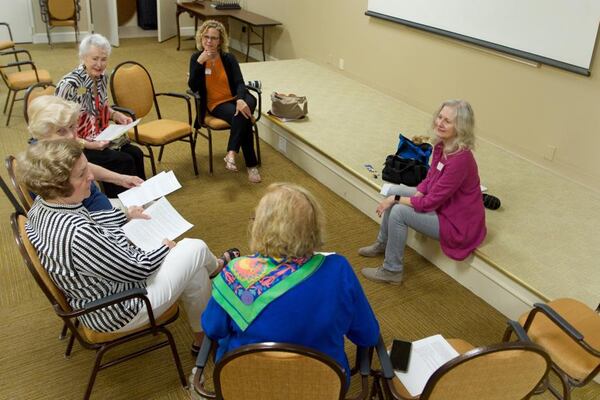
(227, 256)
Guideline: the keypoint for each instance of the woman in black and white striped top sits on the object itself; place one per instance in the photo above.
(87, 254)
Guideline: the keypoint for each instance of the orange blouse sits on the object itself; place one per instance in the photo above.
(217, 84)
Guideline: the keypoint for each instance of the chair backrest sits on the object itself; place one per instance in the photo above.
(131, 87)
(32, 261)
(62, 10)
(34, 91)
(21, 191)
(500, 372)
(265, 371)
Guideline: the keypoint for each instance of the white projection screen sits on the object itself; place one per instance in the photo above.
(561, 33)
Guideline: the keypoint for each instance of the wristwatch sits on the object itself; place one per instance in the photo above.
(397, 198)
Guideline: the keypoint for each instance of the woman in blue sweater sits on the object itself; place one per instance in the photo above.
(286, 292)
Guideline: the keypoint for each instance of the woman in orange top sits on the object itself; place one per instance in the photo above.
(215, 74)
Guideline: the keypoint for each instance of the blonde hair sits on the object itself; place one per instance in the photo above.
(45, 167)
(49, 114)
(464, 125)
(288, 222)
(211, 23)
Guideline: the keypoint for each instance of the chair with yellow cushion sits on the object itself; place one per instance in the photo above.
(133, 93)
(100, 342)
(264, 371)
(570, 332)
(7, 43)
(212, 123)
(56, 13)
(17, 78)
(506, 371)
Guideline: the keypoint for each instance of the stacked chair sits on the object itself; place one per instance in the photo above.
(569, 331)
(57, 13)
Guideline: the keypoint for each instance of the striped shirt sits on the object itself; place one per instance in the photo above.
(88, 257)
(77, 86)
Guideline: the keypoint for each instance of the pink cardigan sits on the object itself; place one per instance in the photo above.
(452, 190)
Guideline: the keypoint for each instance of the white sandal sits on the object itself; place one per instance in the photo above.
(253, 175)
(230, 163)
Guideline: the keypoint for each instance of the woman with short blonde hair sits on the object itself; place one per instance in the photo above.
(51, 118)
(286, 291)
(288, 222)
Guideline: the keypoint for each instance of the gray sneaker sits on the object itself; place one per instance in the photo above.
(373, 250)
(380, 274)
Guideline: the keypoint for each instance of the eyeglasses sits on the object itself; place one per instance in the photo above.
(213, 38)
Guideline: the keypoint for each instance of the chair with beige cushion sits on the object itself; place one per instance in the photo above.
(506, 371)
(7, 43)
(133, 93)
(100, 342)
(57, 13)
(212, 123)
(18, 78)
(570, 332)
(264, 371)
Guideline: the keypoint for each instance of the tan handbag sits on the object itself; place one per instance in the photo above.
(288, 106)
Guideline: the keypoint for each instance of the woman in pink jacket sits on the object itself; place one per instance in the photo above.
(446, 205)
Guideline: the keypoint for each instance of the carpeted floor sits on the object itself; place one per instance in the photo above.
(32, 365)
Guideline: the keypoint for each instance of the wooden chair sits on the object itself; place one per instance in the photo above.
(100, 342)
(34, 91)
(211, 123)
(498, 372)
(264, 371)
(570, 332)
(20, 79)
(60, 13)
(133, 93)
(22, 193)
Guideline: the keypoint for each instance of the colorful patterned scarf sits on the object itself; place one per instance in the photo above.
(248, 284)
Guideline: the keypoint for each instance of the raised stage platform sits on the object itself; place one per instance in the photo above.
(542, 244)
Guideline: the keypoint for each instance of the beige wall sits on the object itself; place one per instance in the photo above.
(521, 108)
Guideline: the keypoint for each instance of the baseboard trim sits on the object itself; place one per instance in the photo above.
(58, 37)
(484, 279)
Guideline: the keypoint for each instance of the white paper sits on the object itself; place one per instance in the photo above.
(483, 188)
(164, 223)
(325, 253)
(113, 131)
(426, 356)
(158, 186)
(385, 189)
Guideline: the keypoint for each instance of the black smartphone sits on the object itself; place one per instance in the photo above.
(400, 355)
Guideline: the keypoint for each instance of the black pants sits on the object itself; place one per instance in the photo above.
(128, 161)
(241, 129)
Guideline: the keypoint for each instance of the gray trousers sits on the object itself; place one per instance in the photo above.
(394, 228)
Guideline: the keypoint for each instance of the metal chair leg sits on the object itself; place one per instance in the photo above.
(151, 155)
(7, 100)
(182, 377)
(257, 144)
(12, 103)
(193, 149)
(160, 153)
(63, 333)
(94, 373)
(210, 151)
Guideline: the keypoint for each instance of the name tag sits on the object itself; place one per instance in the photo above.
(207, 71)
(440, 166)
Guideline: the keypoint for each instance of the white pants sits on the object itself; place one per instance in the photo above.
(184, 273)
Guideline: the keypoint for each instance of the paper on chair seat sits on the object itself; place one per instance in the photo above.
(426, 356)
(113, 131)
(164, 223)
(158, 186)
